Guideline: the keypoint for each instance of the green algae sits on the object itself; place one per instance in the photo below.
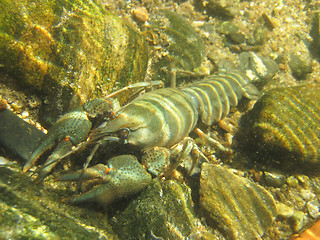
(183, 46)
(164, 210)
(66, 48)
(30, 211)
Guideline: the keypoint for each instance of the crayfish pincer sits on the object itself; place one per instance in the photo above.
(154, 121)
(71, 129)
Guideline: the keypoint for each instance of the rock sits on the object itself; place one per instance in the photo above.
(30, 211)
(274, 179)
(164, 210)
(300, 66)
(292, 181)
(182, 47)
(231, 31)
(259, 36)
(18, 136)
(232, 203)
(313, 207)
(284, 211)
(298, 221)
(260, 69)
(283, 127)
(219, 8)
(69, 48)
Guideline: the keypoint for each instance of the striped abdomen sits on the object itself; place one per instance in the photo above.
(165, 116)
(214, 95)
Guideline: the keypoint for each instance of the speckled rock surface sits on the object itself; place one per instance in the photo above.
(163, 211)
(238, 207)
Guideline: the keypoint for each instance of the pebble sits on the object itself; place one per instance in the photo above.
(298, 220)
(300, 66)
(140, 14)
(274, 179)
(292, 181)
(3, 104)
(313, 207)
(24, 114)
(234, 203)
(307, 194)
(258, 67)
(284, 211)
(223, 9)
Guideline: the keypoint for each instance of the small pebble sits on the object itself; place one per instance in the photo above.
(298, 221)
(268, 21)
(307, 194)
(303, 178)
(16, 106)
(24, 114)
(140, 14)
(300, 65)
(274, 179)
(292, 181)
(284, 211)
(313, 207)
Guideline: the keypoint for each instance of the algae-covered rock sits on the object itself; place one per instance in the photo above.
(30, 211)
(239, 208)
(300, 65)
(69, 47)
(219, 8)
(283, 127)
(163, 211)
(182, 46)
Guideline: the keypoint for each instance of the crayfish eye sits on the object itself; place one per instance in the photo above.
(124, 133)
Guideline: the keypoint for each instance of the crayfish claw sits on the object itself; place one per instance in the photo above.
(104, 194)
(122, 176)
(45, 145)
(71, 129)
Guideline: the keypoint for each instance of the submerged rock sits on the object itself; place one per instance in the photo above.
(66, 48)
(30, 211)
(163, 211)
(259, 68)
(300, 66)
(18, 136)
(182, 47)
(238, 207)
(221, 8)
(283, 127)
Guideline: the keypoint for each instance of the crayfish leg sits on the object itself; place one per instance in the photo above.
(180, 152)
